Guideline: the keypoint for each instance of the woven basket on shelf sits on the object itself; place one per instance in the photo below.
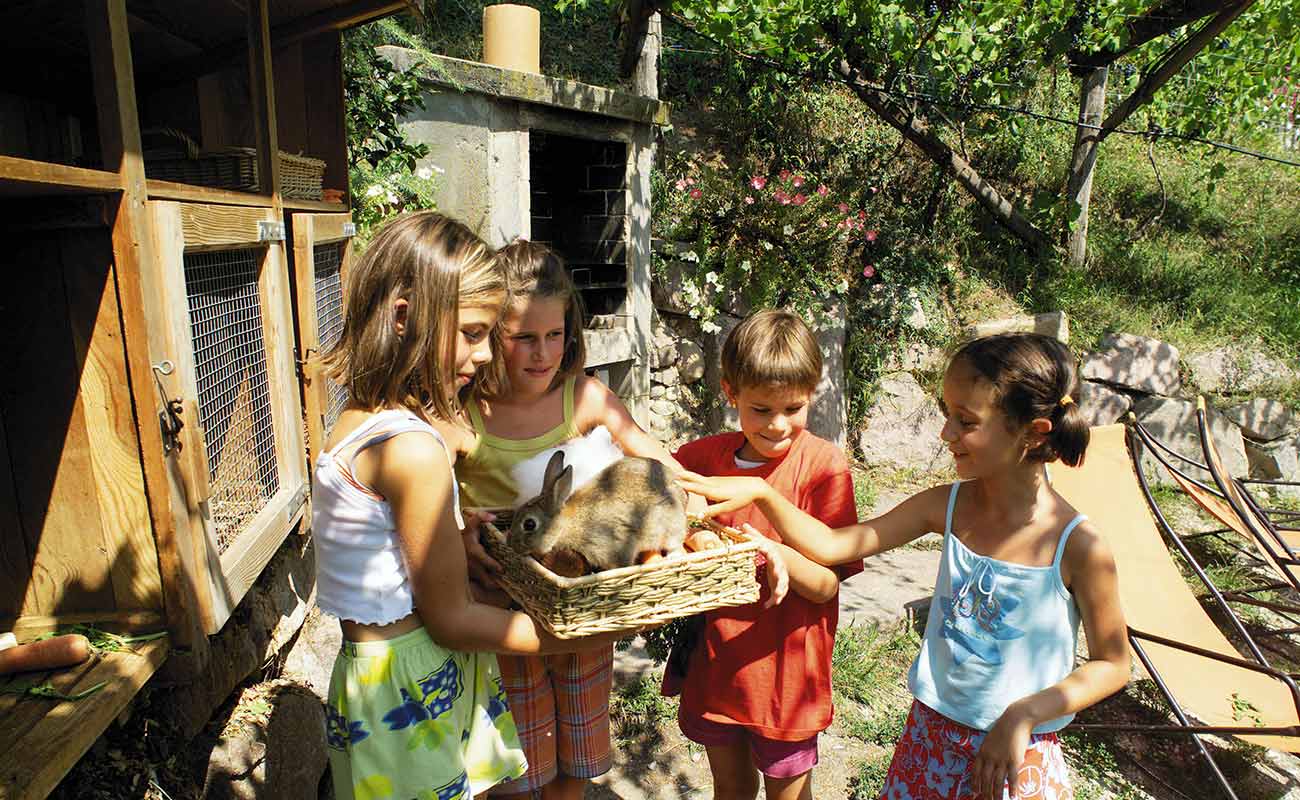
(627, 597)
(229, 168)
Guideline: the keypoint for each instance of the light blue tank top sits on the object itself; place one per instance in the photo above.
(996, 632)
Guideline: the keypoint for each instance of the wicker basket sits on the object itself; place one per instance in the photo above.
(229, 168)
(628, 597)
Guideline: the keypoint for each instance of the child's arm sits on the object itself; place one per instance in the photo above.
(1089, 569)
(914, 517)
(411, 472)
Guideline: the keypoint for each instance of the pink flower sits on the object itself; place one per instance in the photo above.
(869, 271)
(785, 175)
(856, 223)
(799, 199)
(758, 182)
(871, 235)
(862, 214)
(797, 182)
(749, 199)
(696, 194)
(842, 224)
(843, 207)
(821, 223)
(874, 190)
(681, 185)
(823, 190)
(783, 198)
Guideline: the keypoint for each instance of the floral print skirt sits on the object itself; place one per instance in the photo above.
(933, 759)
(407, 719)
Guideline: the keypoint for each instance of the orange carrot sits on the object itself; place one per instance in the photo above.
(52, 653)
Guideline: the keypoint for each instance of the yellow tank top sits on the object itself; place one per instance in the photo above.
(484, 473)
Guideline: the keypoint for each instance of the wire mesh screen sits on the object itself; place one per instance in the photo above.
(329, 319)
(234, 401)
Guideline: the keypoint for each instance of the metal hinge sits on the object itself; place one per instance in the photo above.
(269, 230)
(349, 229)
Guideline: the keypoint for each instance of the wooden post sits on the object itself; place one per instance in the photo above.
(119, 130)
(261, 91)
(645, 76)
(1092, 103)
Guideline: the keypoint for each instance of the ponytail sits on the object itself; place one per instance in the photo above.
(1070, 433)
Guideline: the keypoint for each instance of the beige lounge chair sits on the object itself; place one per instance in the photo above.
(1210, 687)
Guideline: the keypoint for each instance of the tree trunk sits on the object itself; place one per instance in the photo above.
(917, 131)
(1092, 103)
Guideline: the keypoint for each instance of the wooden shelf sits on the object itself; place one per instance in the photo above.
(313, 205)
(169, 190)
(22, 176)
(41, 739)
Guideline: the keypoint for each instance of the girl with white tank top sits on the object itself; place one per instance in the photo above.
(997, 674)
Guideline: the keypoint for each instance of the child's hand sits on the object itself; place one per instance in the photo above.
(778, 575)
(999, 758)
(734, 492)
(483, 569)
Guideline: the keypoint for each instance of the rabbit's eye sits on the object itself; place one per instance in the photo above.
(530, 525)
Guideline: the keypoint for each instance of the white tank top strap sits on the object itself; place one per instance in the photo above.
(952, 503)
(1065, 535)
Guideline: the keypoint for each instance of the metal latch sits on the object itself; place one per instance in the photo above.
(349, 229)
(269, 230)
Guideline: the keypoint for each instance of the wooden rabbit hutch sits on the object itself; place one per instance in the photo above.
(175, 254)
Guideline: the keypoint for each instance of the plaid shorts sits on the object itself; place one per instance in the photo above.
(561, 707)
(933, 759)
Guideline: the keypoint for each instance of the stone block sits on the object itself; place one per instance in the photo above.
(828, 412)
(667, 289)
(606, 177)
(902, 426)
(1263, 419)
(1140, 363)
(1276, 461)
(1173, 422)
(1237, 369)
(1053, 323)
(1102, 405)
(690, 361)
(280, 753)
(666, 377)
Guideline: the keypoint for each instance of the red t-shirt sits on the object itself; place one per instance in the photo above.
(770, 669)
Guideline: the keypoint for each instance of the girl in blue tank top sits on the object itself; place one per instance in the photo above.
(996, 676)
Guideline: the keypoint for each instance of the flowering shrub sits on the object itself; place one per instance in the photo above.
(774, 240)
(388, 189)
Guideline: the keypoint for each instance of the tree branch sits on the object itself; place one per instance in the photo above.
(1156, 22)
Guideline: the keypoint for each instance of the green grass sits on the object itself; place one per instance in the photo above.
(637, 708)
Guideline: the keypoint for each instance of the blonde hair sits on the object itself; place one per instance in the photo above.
(535, 271)
(437, 265)
(771, 348)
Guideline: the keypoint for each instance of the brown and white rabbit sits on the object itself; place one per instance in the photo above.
(631, 507)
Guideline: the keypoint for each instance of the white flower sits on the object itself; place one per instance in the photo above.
(391, 198)
(690, 255)
(842, 286)
(374, 191)
(424, 173)
(438, 169)
(709, 326)
(711, 278)
(787, 230)
(767, 245)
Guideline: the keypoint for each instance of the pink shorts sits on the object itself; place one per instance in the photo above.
(772, 757)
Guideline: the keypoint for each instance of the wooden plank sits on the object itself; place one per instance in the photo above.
(219, 227)
(108, 37)
(243, 561)
(45, 422)
(29, 174)
(329, 228)
(41, 739)
(168, 190)
(313, 396)
(294, 204)
(170, 336)
(291, 100)
(30, 627)
(127, 538)
(261, 90)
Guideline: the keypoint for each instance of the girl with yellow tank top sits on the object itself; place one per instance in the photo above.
(533, 396)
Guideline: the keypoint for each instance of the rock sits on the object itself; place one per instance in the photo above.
(657, 391)
(916, 319)
(1276, 461)
(665, 377)
(690, 361)
(1263, 419)
(1135, 362)
(662, 408)
(734, 301)
(1173, 422)
(828, 413)
(902, 426)
(1236, 369)
(1053, 323)
(277, 753)
(1102, 405)
(667, 289)
(914, 357)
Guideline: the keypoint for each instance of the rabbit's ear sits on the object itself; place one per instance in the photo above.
(553, 468)
(557, 492)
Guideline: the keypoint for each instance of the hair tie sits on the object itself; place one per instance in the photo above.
(1065, 401)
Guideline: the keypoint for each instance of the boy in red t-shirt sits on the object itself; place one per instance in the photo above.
(757, 691)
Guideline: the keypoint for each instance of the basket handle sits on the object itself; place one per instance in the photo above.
(191, 146)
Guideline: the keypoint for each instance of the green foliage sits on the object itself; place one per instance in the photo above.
(388, 189)
(636, 708)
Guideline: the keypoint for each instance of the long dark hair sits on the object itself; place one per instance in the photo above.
(1033, 377)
